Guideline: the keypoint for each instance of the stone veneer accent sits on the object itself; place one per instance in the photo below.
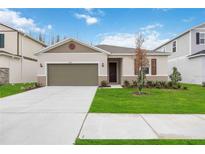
(102, 78)
(41, 80)
(4, 75)
(152, 78)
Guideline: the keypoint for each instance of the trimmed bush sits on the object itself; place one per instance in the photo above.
(134, 84)
(203, 84)
(104, 83)
(158, 84)
(149, 84)
(126, 84)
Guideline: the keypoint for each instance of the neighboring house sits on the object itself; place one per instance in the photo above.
(188, 54)
(17, 60)
(73, 63)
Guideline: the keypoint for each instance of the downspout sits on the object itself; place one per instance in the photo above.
(22, 57)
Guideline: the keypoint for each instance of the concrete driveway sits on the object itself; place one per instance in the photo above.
(49, 115)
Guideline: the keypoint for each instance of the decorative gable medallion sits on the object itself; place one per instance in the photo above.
(71, 46)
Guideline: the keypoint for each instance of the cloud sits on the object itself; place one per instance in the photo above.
(151, 35)
(90, 15)
(88, 19)
(151, 27)
(119, 39)
(16, 20)
(190, 19)
(49, 27)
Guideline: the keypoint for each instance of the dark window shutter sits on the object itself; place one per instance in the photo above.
(1, 40)
(154, 66)
(197, 38)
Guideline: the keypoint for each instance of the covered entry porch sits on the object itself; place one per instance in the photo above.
(114, 70)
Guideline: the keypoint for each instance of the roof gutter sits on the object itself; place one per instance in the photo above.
(10, 55)
(132, 54)
(195, 56)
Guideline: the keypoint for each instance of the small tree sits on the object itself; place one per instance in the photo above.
(175, 76)
(140, 63)
(40, 37)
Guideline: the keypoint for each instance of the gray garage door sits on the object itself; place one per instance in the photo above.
(72, 74)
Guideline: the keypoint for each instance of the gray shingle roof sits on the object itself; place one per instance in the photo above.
(124, 50)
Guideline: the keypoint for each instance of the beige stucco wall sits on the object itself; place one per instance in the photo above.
(19, 70)
(14, 66)
(28, 47)
(10, 39)
(29, 70)
(182, 44)
(99, 58)
(128, 64)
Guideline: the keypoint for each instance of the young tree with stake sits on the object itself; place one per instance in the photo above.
(141, 62)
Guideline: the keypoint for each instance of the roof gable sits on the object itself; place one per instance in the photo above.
(63, 47)
(8, 28)
(195, 27)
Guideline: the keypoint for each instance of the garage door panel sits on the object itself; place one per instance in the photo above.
(72, 74)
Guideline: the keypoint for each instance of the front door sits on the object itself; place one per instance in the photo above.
(112, 72)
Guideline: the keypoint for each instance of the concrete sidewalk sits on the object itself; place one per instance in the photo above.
(143, 126)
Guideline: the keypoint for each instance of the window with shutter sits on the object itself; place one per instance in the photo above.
(154, 66)
(201, 38)
(197, 38)
(1, 40)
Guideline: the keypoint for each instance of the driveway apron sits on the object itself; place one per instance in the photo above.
(48, 115)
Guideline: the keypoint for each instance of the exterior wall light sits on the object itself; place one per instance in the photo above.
(102, 64)
(41, 65)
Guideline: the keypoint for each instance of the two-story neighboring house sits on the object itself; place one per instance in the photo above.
(17, 60)
(188, 54)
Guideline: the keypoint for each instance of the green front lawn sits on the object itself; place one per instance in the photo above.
(11, 89)
(156, 101)
(139, 142)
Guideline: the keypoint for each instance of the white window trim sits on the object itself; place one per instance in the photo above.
(199, 38)
(172, 46)
(4, 39)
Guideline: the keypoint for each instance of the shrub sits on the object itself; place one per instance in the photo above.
(169, 84)
(36, 84)
(126, 84)
(178, 86)
(175, 87)
(134, 83)
(175, 76)
(163, 84)
(149, 84)
(104, 83)
(185, 88)
(158, 84)
(203, 84)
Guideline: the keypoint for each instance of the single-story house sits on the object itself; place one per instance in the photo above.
(17, 60)
(74, 63)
